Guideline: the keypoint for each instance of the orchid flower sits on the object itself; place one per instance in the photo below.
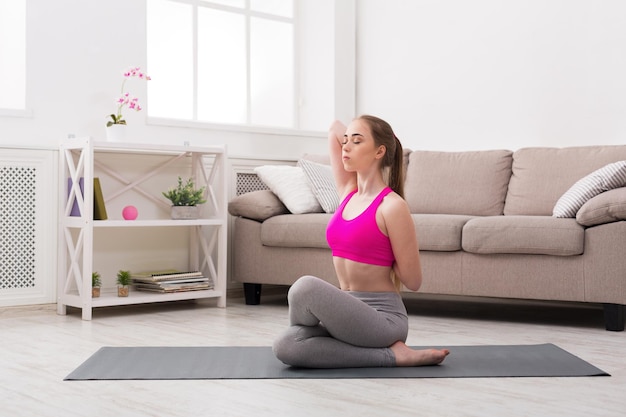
(126, 100)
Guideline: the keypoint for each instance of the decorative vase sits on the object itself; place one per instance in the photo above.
(95, 292)
(122, 291)
(116, 133)
(185, 212)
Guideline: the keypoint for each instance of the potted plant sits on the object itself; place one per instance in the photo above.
(116, 127)
(123, 281)
(96, 283)
(185, 199)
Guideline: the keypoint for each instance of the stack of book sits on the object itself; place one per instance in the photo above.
(170, 281)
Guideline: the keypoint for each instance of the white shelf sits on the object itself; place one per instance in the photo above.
(142, 148)
(82, 159)
(77, 222)
(156, 223)
(109, 298)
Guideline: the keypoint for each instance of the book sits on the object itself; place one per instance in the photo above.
(203, 283)
(194, 284)
(163, 275)
(81, 184)
(99, 209)
(170, 281)
(176, 289)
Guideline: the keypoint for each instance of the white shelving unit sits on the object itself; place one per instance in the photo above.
(85, 159)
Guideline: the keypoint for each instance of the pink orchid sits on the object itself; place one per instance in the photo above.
(125, 99)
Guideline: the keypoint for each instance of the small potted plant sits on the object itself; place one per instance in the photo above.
(96, 283)
(123, 282)
(185, 199)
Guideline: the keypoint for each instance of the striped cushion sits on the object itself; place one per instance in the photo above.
(322, 182)
(604, 179)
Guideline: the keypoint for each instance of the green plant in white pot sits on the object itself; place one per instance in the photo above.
(185, 198)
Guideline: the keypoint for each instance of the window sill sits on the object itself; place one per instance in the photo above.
(27, 114)
(158, 121)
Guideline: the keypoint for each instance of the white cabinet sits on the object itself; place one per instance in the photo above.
(137, 174)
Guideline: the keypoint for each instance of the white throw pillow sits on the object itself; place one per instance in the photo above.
(604, 179)
(291, 186)
(322, 182)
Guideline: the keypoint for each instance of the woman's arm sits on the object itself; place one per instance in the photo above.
(344, 181)
(401, 232)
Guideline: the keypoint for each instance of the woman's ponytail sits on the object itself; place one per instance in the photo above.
(396, 171)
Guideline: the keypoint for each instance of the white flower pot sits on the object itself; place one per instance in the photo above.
(185, 212)
(116, 133)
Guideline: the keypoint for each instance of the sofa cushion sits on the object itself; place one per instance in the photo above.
(607, 207)
(290, 185)
(537, 235)
(296, 230)
(609, 177)
(542, 175)
(320, 178)
(257, 205)
(435, 232)
(469, 183)
(439, 232)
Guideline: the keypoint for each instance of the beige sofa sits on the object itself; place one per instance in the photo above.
(485, 223)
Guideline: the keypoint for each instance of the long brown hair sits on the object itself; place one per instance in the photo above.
(393, 159)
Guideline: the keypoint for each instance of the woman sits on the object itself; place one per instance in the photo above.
(372, 237)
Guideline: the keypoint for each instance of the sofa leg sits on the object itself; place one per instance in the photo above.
(614, 317)
(252, 293)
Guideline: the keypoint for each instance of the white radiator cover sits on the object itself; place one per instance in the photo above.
(28, 218)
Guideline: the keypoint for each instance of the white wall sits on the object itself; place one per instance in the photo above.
(76, 50)
(448, 74)
(481, 74)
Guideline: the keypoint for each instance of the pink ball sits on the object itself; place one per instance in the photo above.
(130, 213)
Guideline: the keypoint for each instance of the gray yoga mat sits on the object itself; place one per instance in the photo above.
(118, 363)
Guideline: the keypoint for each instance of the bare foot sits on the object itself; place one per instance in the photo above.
(405, 356)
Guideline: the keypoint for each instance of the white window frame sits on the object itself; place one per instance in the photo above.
(25, 111)
(247, 127)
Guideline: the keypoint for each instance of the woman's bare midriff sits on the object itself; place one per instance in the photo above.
(357, 276)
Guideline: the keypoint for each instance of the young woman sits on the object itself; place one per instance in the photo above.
(372, 237)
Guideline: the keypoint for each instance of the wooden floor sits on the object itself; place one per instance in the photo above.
(39, 348)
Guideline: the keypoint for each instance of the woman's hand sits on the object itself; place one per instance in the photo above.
(344, 181)
(400, 228)
(337, 131)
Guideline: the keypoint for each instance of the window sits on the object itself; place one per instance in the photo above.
(12, 55)
(222, 61)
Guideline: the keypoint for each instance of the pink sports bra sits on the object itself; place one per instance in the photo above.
(360, 239)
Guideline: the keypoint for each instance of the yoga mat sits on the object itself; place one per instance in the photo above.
(118, 363)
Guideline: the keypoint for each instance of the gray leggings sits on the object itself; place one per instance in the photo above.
(331, 328)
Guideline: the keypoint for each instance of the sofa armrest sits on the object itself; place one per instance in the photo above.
(608, 207)
(257, 205)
